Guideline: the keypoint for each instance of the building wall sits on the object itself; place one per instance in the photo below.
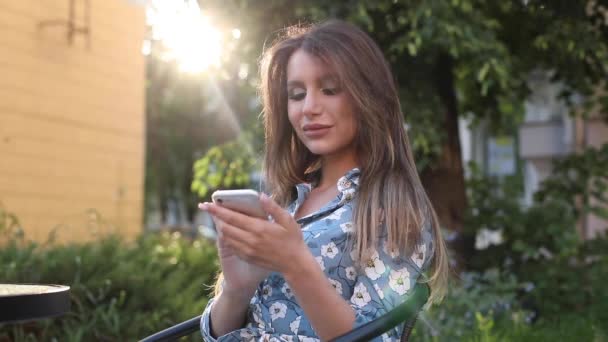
(72, 117)
(547, 133)
(594, 134)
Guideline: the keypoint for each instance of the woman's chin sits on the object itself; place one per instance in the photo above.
(319, 150)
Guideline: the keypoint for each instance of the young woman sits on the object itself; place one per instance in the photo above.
(358, 230)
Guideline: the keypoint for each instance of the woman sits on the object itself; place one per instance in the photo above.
(358, 231)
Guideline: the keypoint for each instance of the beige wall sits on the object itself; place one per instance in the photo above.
(71, 117)
(595, 134)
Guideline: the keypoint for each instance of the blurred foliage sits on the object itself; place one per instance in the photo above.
(227, 166)
(488, 306)
(489, 294)
(176, 134)
(187, 114)
(494, 47)
(577, 187)
(540, 243)
(120, 290)
(579, 178)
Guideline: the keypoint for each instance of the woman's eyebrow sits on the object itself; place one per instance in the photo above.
(321, 80)
(329, 77)
(295, 83)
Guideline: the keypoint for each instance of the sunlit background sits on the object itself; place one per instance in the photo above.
(187, 35)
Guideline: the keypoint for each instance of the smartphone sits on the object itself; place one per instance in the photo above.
(245, 201)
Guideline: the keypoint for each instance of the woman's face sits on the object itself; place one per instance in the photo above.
(319, 110)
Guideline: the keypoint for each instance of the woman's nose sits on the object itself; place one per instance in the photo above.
(311, 104)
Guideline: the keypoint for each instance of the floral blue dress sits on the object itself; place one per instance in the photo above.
(385, 281)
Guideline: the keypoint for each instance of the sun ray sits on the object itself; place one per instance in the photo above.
(187, 36)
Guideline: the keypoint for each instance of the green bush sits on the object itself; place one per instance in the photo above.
(540, 244)
(570, 327)
(486, 307)
(490, 296)
(120, 290)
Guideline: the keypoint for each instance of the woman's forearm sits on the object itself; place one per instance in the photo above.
(228, 313)
(329, 314)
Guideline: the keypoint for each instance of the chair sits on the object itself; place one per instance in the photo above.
(405, 312)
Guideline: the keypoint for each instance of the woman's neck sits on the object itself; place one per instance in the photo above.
(334, 167)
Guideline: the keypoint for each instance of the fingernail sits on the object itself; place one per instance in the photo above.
(203, 206)
(263, 197)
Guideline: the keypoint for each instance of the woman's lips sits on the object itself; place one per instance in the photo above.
(315, 130)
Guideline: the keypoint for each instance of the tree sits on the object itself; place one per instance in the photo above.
(179, 129)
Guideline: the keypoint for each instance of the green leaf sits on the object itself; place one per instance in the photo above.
(481, 75)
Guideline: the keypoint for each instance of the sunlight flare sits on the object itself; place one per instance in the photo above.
(187, 36)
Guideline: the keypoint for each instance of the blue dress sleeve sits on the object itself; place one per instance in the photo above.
(206, 322)
(256, 328)
(386, 280)
(246, 333)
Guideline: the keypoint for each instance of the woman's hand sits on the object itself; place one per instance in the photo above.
(276, 246)
(240, 277)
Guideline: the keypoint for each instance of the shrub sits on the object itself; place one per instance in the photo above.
(540, 243)
(490, 296)
(120, 290)
(486, 307)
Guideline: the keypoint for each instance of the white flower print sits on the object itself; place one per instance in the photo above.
(283, 338)
(399, 281)
(344, 183)
(418, 255)
(266, 291)
(321, 262)
(392, 252)
(337, 214)
(347, 227)
(257, 317)
(308, 339)
(287, 291)
(348, 195)
(379, 291)
(351, 273)
(360, 295)
(295, 325)
(246, 334)
(374, 267)
(277, 310)
(330, 250)
(337, 285)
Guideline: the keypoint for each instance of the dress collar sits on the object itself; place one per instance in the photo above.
(348, 184)
(347, 188)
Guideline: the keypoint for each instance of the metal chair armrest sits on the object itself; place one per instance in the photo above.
(173, 333)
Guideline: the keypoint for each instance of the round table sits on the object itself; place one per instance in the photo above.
(25, 302)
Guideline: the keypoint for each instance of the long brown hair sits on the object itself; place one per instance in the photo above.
(390, 190)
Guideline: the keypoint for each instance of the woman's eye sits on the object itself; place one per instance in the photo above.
(330, 91)
(297, 96)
